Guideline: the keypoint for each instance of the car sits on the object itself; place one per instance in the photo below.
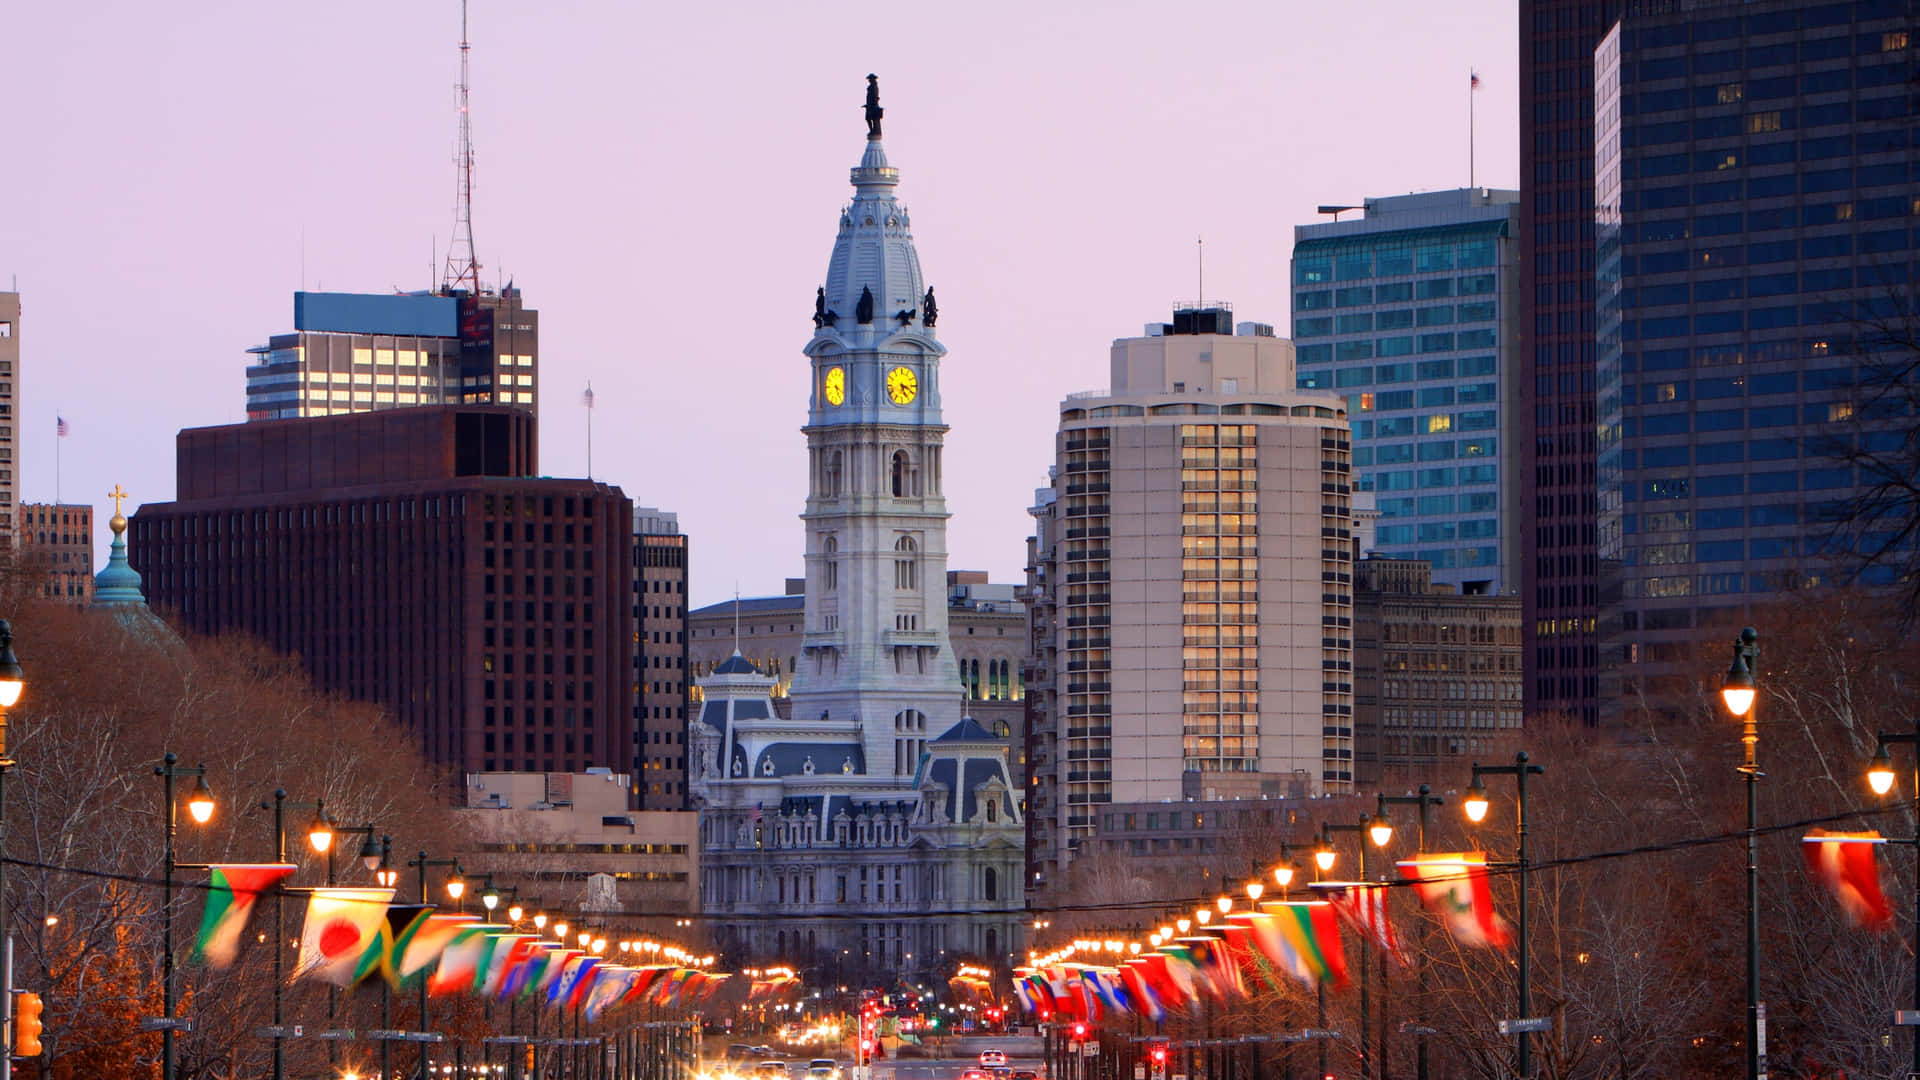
(993, 1057)
(823, 1069)
(976, 1074)
(1025, 1074)
(771, 1070)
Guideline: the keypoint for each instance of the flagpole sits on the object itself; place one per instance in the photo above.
(1473, 79)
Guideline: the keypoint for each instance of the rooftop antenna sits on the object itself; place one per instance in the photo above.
(463, 270)
(1200, 243)
(736, 618)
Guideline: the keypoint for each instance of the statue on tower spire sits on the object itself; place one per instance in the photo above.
(874, 111)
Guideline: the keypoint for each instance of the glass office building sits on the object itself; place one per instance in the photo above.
(1754, 206)
(1409, 312)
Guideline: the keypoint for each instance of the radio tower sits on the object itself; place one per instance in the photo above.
(463, 270)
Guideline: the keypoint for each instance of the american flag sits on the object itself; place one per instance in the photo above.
(1473, 80)
(587, 398)
(60, 427)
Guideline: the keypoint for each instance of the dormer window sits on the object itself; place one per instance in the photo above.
(993, 809)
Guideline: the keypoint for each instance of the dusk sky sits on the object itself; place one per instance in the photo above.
(663, 182)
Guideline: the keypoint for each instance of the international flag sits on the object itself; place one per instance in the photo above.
(390, 941)
(231, 890)
(1312, 935)
(587, 398)
(509, 951)
(1146, 1002)
(571, 973)
(1455, 887)
(1364, 907)
(1473, 80)
(60, 428)
(1846, 864)
(460, 960)
(341, 924)
(431, 937)
(645, 978)
(610, 984)
(557, 964)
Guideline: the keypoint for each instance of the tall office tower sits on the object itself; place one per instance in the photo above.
(414, 558)
(1412, 312)
(659, 660)
(1195, 553)
(878, 801)
(56, 549)
(357, 352)
(9, 417)
(1559, 568)
(1755, 194)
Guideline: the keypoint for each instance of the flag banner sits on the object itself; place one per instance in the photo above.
(529, 970)
(712, 986)
(1848, 865)
(1024, 994)
(231, 890)
(1236, 948)
(460, 960)
(390, 941)
(556, 969)
(1160, 977)
(60, 427)
(1455, 886)
(1223, 971)
(424, 945)
(1312, 932)
(610, 984)
(341, 924)
(573, 983)
(1146, 1002)
(1363, 906)
(1273, 946)
(647, 977)
(509, 952)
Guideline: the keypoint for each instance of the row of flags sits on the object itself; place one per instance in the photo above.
(355, 934)
(1301, 939)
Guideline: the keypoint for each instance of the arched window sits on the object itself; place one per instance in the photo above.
(993, 812)
(990, 888)
(906, 564)
(830, 551)
(902, 473)
(993, 939)
(831, 485)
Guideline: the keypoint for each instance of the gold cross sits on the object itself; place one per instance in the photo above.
(117, 495)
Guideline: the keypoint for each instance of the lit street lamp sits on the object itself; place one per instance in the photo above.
(200, 808)
(1476, 807)
(1738, 690)
(1880, 778)
(1421, 801)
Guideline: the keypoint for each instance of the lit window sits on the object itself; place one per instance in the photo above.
(1731, 92)
(1762, 123)
(1843, 211)
(1839, 410)
(383, 356)
(1893, 41)
(1439, 423)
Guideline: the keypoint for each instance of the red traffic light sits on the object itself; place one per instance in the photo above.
(1160, 1055)
(1079, 1031)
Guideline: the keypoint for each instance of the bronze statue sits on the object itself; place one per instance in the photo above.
(932, 309)
(820, 308)
(863, 311)
(874, 111)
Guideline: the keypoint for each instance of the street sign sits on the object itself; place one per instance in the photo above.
(1906, 1017)
(1139, 1070)
(161, 1023)
(1319, 1033)
(281, 1031)
(1089, 1049)
(387, 1035)
(1521, 1027)
(334, 1033)
(1415, 1029)
(1760, 1038)
(504, 1040)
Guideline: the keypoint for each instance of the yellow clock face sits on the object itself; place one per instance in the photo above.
(902, 386)
(836, 385)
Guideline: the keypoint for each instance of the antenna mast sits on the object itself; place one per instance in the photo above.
(463, 270)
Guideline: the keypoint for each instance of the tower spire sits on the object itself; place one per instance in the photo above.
(463, 269)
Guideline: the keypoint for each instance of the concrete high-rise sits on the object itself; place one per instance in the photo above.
(1412, 312)
(414, 558)
(1190, 583)
(659, 660)
(1559, 567)
(1754, 190)
(56, 549)
(9, 418)
(355, 352)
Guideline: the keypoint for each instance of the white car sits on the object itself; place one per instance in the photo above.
(990, 1058)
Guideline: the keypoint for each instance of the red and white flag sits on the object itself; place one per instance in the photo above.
(1846, 864)
(1455, 886)
(1364, 907)
(1473, 80)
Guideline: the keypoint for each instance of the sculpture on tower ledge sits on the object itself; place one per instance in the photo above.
(931, 309)
(863, 311)
(874, 111)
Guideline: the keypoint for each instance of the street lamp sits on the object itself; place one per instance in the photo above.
(1424, 799)
(13, 681)
(1738, 690)
(200, 808)
(1880, 778)
(1477, 798)
(320, 833)
(454, 888)
(1367, 828)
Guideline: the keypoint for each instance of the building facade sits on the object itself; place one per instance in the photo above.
(1559, 560)
(56, 549)
(659, 660)
(411, 558)
(573, 840)
(1412, 312)
(1190, 581)
(357, 352)
(1437, 675)
(1754, 191)
(10, 399)
(873, 832)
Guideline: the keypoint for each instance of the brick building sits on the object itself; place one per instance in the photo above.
(411, 558)
(56, 549)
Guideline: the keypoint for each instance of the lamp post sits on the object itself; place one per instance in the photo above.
(200, 808)
(1365, 828)
(455, 888)
(320, 836)
(388, 877)
(1739, 690)
(12, 682)
(1421, 801)
(1476, 808)
(1880, 778)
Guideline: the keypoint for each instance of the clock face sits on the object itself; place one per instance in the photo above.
(902, 386)
(836, 385)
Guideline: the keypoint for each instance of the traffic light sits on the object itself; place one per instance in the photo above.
(26, 1024)
(1079, 1032)
(1160, 1055)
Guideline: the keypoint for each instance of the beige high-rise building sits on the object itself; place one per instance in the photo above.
(9, 418)
(1190, 583)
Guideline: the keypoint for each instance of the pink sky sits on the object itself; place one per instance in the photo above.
(663, 182)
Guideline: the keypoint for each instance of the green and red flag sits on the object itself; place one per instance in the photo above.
(1311, 932)
(231, 890)
(1455, 886)
(428, 939)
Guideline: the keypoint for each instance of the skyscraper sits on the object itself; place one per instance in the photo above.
(1755, 197)
(829, 835)
(356, 352)
(9, 418)
(659, 660)
(1412, 312)
(1559, 567)
(1191, 583)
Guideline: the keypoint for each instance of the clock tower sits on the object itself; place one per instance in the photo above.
(876, 649)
